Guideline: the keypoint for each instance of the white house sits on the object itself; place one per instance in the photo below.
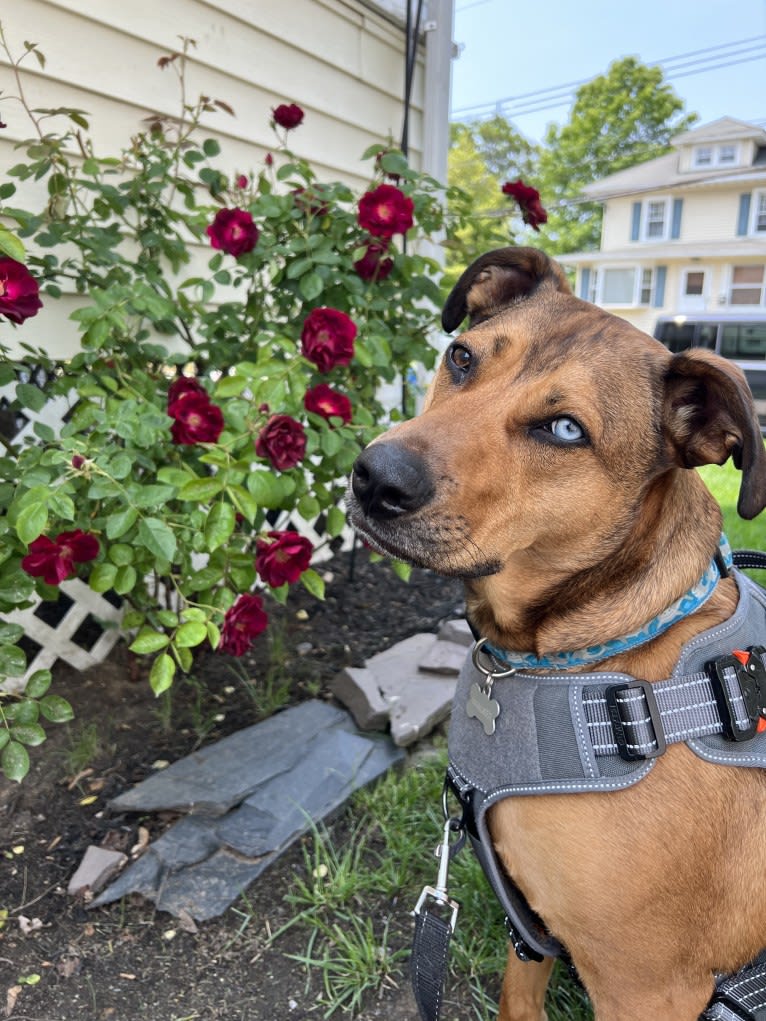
(685, 233)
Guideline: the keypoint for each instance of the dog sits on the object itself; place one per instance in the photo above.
(550, 470)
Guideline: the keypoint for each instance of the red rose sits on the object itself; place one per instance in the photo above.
(196, 419)
(242, 181)
(19, 293)
(78, 462)
(328, 403)
(287, 115)
(373, 265)
(184, 385)
(327, 338)
(54, 560)
(243, 622)
(385, 211)
(528, 198)
(284, 560)
(233, 231)
(282, 441)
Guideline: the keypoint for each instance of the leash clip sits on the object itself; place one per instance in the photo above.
(439, 892)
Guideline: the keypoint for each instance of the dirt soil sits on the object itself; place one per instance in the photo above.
(128, 960)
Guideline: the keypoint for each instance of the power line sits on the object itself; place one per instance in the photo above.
(678, 66)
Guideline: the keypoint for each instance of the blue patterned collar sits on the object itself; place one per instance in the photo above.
(688, 603)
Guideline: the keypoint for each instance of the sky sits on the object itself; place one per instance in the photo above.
(509, 48)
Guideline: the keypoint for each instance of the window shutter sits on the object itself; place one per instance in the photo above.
(675, 227)
(660, 274)
(743, 220)
(635, 228)
(585, 282)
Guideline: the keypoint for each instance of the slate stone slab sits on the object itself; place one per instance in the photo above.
(95, 870)
(204, 861)
(214, 778)
(457, 631)
(416, 700)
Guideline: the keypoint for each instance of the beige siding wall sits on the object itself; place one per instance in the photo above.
(615, 232)
(342, 61)
(711, 215)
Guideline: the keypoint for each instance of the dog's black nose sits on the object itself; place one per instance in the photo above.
(389, 480)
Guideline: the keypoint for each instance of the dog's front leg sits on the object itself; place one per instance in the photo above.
(523, 994)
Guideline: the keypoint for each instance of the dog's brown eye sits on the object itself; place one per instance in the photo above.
(460, 357)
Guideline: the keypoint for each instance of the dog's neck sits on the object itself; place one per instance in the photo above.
(555, 604)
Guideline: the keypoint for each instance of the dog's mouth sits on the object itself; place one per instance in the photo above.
(428, 541)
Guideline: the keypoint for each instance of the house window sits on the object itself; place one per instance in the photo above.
(627, 286)
(655, 219)
(593, 287)
(759, 221)
(746, 285)
(695, 283)
(727, 155)
(645, 294)
(703, 156)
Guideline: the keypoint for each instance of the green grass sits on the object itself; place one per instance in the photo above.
(723, 482)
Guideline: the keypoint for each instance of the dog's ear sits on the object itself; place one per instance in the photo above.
(495, 281)
(709, 416)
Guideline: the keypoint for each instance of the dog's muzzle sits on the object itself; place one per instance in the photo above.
(388, 481)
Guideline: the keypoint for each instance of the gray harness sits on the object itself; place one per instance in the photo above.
(564, 733)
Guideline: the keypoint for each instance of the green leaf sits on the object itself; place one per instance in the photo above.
(219, 525)
(401, 569)
(162, 673)
(126, 579)
(102, 577)
(230, 386)
(246, 504)
(174, 476)
(56, 709)
(313, 583)
(192, 633)
(201, 490)
(31, 734)
(157, 538)
(213, 634)
(31, 396)
(336, 521)
(121, 522)
(38, 684)
(149, 640)
(10, 244)
(15, 761)
(121, 554)
(31, 522)
(10, 633)
(311, 286)
(13, 662)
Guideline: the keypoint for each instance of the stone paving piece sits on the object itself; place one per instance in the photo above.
(95, 870)
(457, 631)
(409, 687)
(305, 769)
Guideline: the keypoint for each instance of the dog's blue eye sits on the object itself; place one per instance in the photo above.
(566, 430)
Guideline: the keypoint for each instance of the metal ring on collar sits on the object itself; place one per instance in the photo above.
(493, 673)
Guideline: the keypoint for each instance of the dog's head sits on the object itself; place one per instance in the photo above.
(550, 427)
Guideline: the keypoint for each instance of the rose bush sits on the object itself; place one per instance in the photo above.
(231, 355)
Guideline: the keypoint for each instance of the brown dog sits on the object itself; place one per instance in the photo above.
(549, 470)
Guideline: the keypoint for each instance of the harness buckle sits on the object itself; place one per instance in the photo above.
(740, 712)
(632, 750)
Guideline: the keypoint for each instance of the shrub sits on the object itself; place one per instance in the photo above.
(234, 334)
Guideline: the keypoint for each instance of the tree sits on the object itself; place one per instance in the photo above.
(483, 155)
(621, 118)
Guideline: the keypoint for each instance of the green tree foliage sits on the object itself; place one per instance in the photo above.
(623, 117)
(483, 154)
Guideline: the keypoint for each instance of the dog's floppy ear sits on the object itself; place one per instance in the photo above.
(709, 416)
(496, 280)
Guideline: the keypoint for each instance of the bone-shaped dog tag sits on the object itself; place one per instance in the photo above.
(483, 708)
